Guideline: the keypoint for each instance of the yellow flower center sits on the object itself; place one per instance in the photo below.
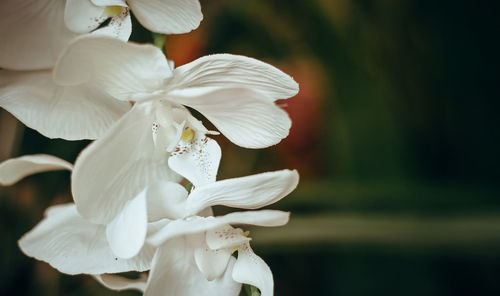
(113, 10)
(187, 134)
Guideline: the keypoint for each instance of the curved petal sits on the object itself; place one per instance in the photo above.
(225, 237)
(266, 218)
(82, 16)
(174, 272)
(167, 16)
(68, 112)
(120, 26)
(73, 245)
(14, 169)
(251, 269)
(166, 200)
(118, 283)
(127, 232)
(234, 71)
(250, 192)
(196, 224)
(196, 159)
(117, 166)
(127, 71)
(242, 115)
(32, 32)
(212, 263)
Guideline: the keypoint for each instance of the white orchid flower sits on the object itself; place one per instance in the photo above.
(197, 249)
(235, 93)
(74, 245)
(193, 257)
(33, 32)
(201, 247)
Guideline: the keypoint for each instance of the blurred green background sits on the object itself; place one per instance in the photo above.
(395, 135)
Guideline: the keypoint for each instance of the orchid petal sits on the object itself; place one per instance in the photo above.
(126, 71)
(196, 160)
(117, 166)
(242, 115)
(251, 269)
(266, 218)
(250, 192)
(33, 33)
(118, 283)
(166, 200)
(168, 16)
(82, 16)
(225, 237)
(196, 224)
(120, 26)
(14, 169)
(127, 232)
(234, 71)
(73, 245)
(174, 272)
(212, 263)
(71, 113)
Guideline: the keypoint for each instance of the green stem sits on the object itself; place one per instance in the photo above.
(159, 40)
(250, 290)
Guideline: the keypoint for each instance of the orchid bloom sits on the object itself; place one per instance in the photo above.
(193, 257)
(46, 26)
(201, 248)
(186, 256)
(237, 94)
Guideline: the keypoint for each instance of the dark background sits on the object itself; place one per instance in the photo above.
(395, 135)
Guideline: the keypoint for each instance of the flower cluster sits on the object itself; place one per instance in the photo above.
(68, 71)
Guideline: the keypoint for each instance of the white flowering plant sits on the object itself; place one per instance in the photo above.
(69, 71)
